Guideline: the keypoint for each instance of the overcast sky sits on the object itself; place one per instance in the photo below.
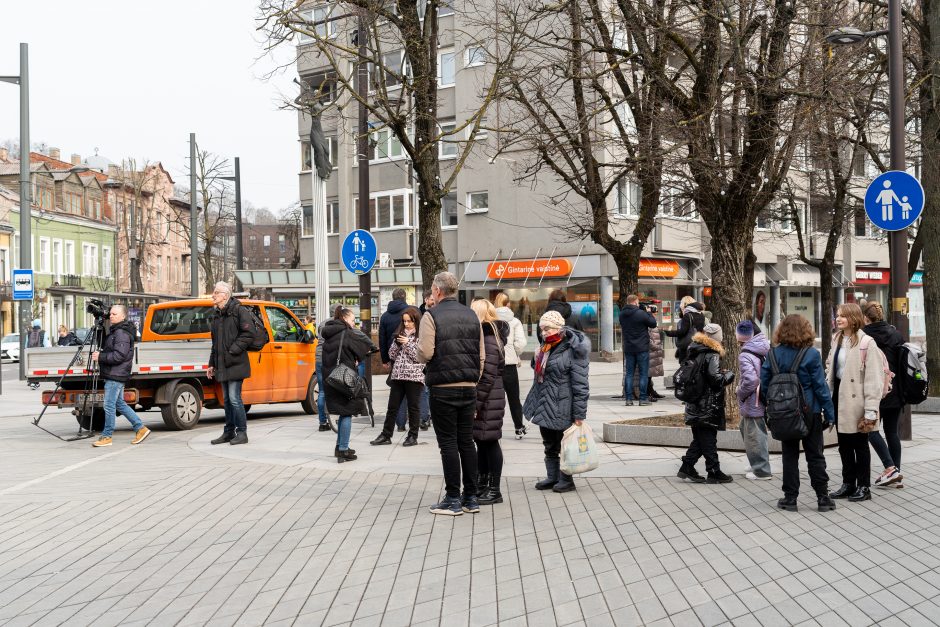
(133, 79)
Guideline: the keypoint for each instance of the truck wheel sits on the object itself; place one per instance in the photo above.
(184, 408)
(95, 423)
(309, 404)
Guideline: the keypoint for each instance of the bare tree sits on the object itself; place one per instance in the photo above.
(401, 57)
(289, 227)
(585, 111)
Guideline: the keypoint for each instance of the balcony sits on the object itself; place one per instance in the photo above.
(71, 280)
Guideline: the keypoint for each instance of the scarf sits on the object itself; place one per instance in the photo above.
(549, 342)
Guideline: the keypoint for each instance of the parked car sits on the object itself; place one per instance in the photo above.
(10, 347)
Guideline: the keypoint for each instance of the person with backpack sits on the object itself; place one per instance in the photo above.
(890, 341)
(233, 331)
(38, 338)
(703, 392)
(794, 353)
(856, 376)
(692, 322)
(754, 347)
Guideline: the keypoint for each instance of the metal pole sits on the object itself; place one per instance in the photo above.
(897, 241)
(193, 222)
(239, 252)
(362, 87)
(26, 236)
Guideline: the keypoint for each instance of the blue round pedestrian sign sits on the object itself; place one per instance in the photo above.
(359, 252)
(894, 200)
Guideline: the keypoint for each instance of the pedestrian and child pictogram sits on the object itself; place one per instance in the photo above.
(894, 200)
(359, 252)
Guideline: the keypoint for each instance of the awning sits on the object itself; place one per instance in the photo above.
(340, 280)
(802, 275)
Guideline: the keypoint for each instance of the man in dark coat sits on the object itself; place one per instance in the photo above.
(635, 325)
(232, 332)
(450, 342)
(388, 328)
(116, 360)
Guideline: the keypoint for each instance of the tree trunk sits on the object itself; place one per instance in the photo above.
(731, 240)
(930, 178)
(826, 272)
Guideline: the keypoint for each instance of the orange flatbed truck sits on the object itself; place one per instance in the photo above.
(171, 361)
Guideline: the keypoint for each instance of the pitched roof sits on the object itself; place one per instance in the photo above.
(14, 167)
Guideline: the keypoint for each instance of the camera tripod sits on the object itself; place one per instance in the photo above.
(82, 357)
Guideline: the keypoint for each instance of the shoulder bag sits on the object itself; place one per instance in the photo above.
(345, 380)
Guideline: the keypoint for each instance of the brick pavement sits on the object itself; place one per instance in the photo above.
(167, 534)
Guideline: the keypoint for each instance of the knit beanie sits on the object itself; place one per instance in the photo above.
(713, 331)
(551, 320)
(744, 331)
(693, 307)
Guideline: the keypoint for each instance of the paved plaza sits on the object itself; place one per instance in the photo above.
(178, 532)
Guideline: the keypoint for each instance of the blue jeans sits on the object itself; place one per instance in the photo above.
(631, 361)
(425, 407)
(321, 397)
(343, 431)
(235, 418)
(113, 403)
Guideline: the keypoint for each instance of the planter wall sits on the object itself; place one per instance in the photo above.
(646, 435)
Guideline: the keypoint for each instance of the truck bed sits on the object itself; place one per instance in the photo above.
(151, 359)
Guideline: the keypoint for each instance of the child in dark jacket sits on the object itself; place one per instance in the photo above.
(706, 415)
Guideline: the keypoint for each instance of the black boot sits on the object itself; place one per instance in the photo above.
(689, 473)
(788, 503)
(336, 451)
(824, 503)
(551, 472)
(240, 438)
(565, 483)
(863, 493)
(222, 439)
(718, 477)
(491, 495)
(345, 456)
(483, 483)
(844, 492)
(382, 439)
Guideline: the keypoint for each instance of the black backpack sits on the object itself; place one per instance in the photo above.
(786, 407)
(260, 336)
(688, 382)
(911, 375)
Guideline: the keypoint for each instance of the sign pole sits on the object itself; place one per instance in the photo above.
(26, 237)
(362, 219)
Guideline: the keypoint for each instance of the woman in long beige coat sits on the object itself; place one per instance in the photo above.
(856, 393)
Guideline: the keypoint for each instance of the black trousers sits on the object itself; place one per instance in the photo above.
(453, 409)
(511, 385)
(815, 460)
(856, 459)
(704, 444)
(399, 390)
(890, 452)
(490, 458)
(551, 440)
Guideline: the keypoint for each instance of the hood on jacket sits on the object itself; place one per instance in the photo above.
(505, 314)
(397, 307)
(701, 343)
(577, 341)
(759, 345)
(126, 325)
(561, 307)
(332, 328)
(883, 333)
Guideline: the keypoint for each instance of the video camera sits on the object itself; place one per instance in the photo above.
(97, 308)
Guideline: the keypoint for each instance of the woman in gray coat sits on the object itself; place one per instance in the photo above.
(559, 394)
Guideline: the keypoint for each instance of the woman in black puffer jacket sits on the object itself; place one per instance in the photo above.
(491, 402)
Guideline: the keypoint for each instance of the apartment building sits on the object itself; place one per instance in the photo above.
(499, 235)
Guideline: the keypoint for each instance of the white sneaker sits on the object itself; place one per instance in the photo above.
(889, 476)
(750, 475)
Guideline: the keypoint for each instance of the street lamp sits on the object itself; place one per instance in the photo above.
(897, 240)
(26, 252)
(239, 253)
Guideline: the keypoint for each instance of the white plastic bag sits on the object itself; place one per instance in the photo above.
(578, 450)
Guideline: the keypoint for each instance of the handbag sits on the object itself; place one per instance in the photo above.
(345, 380)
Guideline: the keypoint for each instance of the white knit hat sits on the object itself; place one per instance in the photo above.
(551, 320)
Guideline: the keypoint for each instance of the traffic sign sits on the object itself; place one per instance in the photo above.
(894, 200)
(23, 288)
(359, 252)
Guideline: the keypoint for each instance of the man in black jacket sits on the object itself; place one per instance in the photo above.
(115, 360)
(635, 325)
(232, 332)
(450, 342)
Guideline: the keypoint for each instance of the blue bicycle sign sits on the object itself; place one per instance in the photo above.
(359, 252)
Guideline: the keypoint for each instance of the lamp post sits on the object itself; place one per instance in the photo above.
(239, 252)
(897, 240)
(26, 237)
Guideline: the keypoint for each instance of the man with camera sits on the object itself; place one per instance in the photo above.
(115, 360)
(232, 332)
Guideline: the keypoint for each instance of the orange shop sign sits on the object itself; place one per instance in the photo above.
(528, 268)
(659, 268)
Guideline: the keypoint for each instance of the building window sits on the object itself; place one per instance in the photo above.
(319, 22)
(627, 200)
(89, 260)
(673, 203)
(862, 226)
(159, 266)
(106, 262)
(386, 147)
(57, 256)
(72, 202)
(388, 209)
(322, 86)
(282, 243)
(253, 241)
(478, 202)
(858, 165)
(449, 210)
(45, 264)
(482, 132)
(16, 250)
(332, 217)
(476, 55)
(445, 7)
(306, 157)
(446, 68)
(765, 220)
(448, 146)
(266, 242)
(69, 257)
